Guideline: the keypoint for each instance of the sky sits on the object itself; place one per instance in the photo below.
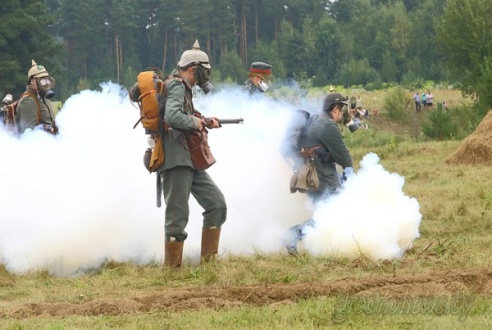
(71, 202)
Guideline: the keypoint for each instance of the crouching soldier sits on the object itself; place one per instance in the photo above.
(324, 137)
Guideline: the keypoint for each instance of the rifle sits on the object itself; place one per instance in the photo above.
(225, 121)
(175, 133)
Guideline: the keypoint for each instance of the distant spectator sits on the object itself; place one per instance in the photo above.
(416, 98)
(423, 100)
(444, 105)
(429, 100)
(375, 111)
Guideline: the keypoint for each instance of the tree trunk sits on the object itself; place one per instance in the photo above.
(256, 24)
(165, 53)
(243, 44)
(117, 53)
(176, 58)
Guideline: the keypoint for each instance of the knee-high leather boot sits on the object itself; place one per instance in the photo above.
(173, 253)
(210, 243)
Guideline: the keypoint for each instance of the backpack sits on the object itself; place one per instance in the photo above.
(146, 93)
(291, 145)
(150, 94)
(10, 112)
(304, 177)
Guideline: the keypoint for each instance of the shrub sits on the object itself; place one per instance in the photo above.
(396, 103)
(440, 125)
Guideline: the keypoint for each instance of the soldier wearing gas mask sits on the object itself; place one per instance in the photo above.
(259, 77)
(34, 110)
(180, 178)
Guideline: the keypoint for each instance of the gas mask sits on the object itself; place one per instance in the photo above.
(263, 86)
(202, 76)
(45, 86)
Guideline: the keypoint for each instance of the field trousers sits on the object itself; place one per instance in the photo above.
(178, 183)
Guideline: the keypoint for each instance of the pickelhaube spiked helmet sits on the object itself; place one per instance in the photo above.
(37, 71)
(194, 56)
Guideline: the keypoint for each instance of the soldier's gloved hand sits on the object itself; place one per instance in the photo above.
(199, 123)
(212, 122)
(347, 172)
(48, 128)
(45, 127)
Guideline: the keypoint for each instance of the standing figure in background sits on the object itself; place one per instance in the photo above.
(259, 77)
(416, 98)
(34, 110)
(423, 100)
(429, 100)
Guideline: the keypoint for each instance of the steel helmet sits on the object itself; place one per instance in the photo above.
(194, 56)
(37, 71)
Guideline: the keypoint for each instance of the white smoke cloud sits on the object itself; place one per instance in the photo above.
(370, 217)
(71, 202)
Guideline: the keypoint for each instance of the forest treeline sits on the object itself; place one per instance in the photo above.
(344, 42)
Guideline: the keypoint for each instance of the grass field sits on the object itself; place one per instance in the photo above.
(443, 282)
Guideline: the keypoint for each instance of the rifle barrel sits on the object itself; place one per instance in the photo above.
(231, 121)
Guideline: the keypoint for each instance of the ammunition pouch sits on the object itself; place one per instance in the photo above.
(305, 178)
(197, 143)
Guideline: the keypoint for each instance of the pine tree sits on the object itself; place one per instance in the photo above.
(24, 36)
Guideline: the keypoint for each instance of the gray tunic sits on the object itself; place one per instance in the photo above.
(178, 115)
(323, 131)
(180, 178)
(27, 112)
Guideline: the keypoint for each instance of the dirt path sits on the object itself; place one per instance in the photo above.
(476, 281)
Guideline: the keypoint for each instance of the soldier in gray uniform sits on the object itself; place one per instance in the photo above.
(180, 178)
(324, 133)
(259, 77)
(34, 110)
